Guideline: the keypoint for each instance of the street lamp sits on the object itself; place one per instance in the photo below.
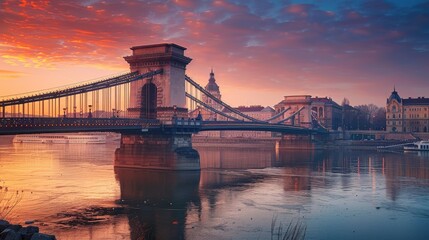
(64, 109)
(174, 110)
(90, 113)
(74, 111)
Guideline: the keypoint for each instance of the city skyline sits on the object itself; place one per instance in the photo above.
(357, 50)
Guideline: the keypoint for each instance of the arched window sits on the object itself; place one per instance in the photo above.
(314, 110)
(394, 109)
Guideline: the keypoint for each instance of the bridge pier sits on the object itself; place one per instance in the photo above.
(165, 151)
(296, 142)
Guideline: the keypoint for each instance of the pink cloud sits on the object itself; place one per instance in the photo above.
(299, 9)
(287, 49)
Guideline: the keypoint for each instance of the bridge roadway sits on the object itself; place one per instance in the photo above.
(12, 126)
(253, 126)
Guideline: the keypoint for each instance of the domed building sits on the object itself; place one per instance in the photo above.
(258, 112)
(213, 89)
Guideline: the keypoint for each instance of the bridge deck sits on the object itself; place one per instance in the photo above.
(10, 126)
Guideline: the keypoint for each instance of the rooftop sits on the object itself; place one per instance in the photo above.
(157, 46)
(212, 86)
(415, 101)
(394, 96)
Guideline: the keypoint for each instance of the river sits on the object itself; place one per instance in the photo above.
(75, 192)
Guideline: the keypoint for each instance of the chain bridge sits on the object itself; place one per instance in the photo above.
(147, 106)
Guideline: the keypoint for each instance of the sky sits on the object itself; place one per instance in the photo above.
(260, 51)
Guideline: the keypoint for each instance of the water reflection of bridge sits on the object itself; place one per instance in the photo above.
(175, 199)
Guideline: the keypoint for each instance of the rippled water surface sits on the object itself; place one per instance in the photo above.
(74, 192)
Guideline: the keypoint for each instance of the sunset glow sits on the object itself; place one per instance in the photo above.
(260, 50)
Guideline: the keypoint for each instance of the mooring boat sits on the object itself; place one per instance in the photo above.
(60, 138)
(418, 146)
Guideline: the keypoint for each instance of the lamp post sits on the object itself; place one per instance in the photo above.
(74, 111)
(64, 109)
(90, 113)
(113, 112)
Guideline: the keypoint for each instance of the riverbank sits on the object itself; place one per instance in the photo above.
(293, 144)
(361, 144)
(16, 231)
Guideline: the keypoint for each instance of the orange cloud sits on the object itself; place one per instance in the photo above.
(282, 48)
(8, 74)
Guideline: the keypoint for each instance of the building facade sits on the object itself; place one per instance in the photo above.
(257, 112)
(408, 114)
(303, 109)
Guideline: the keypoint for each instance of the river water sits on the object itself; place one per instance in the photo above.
(74, 192)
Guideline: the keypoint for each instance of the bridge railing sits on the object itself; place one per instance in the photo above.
(46, 123)
(186, 122)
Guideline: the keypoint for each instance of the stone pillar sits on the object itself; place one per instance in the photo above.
(169, 87)
(157, 151)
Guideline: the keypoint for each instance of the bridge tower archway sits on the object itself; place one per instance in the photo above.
(148, 101)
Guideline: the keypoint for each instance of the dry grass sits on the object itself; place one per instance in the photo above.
(294, 231)
(8, 200)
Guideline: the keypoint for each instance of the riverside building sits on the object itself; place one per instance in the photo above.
(324, 109)
(407, 114)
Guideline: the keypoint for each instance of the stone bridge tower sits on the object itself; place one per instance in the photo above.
(159, 98)
(163, 95)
